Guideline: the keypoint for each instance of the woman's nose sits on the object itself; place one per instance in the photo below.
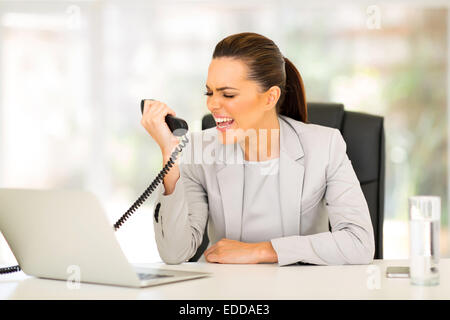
(213, 103)
(213, 108)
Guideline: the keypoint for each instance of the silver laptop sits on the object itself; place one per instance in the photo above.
(65, 235)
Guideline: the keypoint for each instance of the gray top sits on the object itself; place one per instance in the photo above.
(261, 219)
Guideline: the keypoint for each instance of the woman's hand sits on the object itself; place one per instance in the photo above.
(232, 251)
(154, 121)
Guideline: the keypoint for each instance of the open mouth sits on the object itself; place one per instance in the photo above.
(224, 124)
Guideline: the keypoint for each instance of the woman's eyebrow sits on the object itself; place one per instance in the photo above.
(222, 88)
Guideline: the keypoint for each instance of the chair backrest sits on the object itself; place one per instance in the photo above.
(364, 136)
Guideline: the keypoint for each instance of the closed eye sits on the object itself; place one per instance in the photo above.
(210, 94)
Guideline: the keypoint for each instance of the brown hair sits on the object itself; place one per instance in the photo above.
(268, 67)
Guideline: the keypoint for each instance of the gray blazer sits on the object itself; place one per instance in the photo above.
(317, 183)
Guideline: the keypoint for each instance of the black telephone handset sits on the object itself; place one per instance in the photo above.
(178, 127)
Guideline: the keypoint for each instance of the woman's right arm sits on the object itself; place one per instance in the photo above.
(180, 217)
(181, 205)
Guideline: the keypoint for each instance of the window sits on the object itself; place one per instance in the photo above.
(72, 76)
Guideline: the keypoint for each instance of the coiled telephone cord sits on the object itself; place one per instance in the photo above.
(10, 269)
(138, 202)
(153, 185)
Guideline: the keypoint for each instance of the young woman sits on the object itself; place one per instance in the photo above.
(294, 177)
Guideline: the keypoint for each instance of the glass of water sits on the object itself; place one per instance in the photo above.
(424, 228)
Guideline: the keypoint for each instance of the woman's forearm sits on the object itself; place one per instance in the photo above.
(171, 178)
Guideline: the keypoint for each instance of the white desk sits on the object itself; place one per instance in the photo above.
(264, 281)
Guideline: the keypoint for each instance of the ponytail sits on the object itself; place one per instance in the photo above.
(294, 103)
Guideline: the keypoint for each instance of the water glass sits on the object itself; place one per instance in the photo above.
(424, 228)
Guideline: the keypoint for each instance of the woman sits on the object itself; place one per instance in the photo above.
(274, 206)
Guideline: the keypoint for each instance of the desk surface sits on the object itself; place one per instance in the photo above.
(255, 282)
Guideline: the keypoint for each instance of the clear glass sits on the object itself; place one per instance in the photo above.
(424, 228)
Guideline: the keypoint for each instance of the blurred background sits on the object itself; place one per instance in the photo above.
(72, 74)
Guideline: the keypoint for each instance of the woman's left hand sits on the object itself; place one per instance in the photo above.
(232, 251)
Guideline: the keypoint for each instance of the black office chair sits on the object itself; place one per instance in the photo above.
(364, 136)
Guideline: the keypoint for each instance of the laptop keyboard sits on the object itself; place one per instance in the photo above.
(148, 276)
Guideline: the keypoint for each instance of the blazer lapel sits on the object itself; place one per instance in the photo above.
(291, 174)
(230, 177)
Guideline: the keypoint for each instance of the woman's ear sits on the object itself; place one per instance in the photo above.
(273, 94)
